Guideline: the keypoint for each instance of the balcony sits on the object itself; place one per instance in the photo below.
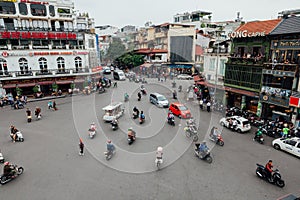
(246, 61)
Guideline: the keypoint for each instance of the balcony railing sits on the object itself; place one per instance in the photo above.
(247, 61)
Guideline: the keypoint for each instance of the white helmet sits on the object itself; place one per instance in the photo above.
(159, 148)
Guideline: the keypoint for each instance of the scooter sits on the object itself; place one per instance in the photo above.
(218, 140)
(101, 90)
(259, 139)
(135, 115)
(92, 133)
(143, 90)
(29, 118)
(5, 179)
(39, 116)
(171, 121)
(1, 158)
(142, 120)
(275, 178)
(158, 162)
(131, 140)
(19, 138)
(114, 126)
(204, 156)
(126, 98)
(109, 154)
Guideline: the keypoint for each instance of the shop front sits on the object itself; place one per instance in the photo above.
(295, 104)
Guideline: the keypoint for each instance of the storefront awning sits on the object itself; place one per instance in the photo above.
(45, 83)
(78, 80)
(240, 91)
(61, 82)
(26, 84)
(7, 86)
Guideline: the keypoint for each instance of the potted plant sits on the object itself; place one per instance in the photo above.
(19, 91)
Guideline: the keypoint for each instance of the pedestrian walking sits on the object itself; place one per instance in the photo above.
(115, 84)
(81, 147)
(208, 106)
(201, 104)
(50, 104)
(54, 105)
(28, 113)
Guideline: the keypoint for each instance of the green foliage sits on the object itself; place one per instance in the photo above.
(19, 91)
(72, 86)
(35, 89)
(130, 60)
(54, 87)
(115, 50)
(202, 25)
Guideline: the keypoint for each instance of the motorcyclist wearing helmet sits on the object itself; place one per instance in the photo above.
(159, 153)
(126, 97)
(170, 116)
(202, 148)
(214, 133)
(131, 134)
(268, 169)
(37, 111)
(142, 116)
(109, 146)
(13, 132)
(93, 127)
(114, 122)
(8, 169)
(136, 112)
(258, 133)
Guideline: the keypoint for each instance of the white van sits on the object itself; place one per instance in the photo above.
(119, 75)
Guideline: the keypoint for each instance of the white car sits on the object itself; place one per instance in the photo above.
(106, 70)
(243, 124)
(290, 145)
(184, 77)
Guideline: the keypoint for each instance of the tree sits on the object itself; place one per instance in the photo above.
(115, 50)
(130, 60)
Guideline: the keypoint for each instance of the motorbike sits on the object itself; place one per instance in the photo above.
(259, 139)
(1, 158)
(17, 172)
(130, 140)
(109, 154)
(158, 162)
(92, 133)
(171, 121)
(142, 120)
(135, 115)
(29, 118)
(204, 156)
(101, 90)
(126, 98)
(19, 138)
(276, 177)
(143, 90)
(114, 126)
(38, 117)
(191, 132)
(218, 140)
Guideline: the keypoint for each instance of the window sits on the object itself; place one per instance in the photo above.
(78, 64)
(38, 10)
(291, 142)
(7, 8)
(43, 65)
(61, 64)
(3, 66)
(222, 67)
(212, 64)
(51, 11)
(63, 10)
(298, 146)
(23, 9)
(23, 64)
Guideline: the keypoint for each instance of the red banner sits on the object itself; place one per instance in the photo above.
(36, 35)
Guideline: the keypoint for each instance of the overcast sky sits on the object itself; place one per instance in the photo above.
(137, 12)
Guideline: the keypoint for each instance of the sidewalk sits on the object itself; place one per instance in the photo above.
(45, 98)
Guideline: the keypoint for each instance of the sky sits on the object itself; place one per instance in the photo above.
(136, 12)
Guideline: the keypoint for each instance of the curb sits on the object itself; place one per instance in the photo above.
(46, 98)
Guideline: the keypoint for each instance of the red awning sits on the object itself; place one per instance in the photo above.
(7, 86)
(196, 78)
(26, 85)
(239, 91)
(46, 83)
(64, 82)
(79, 80)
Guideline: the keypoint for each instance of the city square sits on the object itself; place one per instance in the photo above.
(54, 170)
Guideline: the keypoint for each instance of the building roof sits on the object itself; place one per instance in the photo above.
(288, 25)
(259, 26)
(151, 51)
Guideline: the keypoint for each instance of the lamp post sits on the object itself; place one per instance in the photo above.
(216, 74)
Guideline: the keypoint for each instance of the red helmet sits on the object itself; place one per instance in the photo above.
(6, 163)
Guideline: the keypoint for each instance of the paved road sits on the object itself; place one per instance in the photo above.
(54, 170)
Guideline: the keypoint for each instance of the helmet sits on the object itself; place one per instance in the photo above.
(6, 163)
(130, 129)
(270, 160)
(159, 148)
(108, 141)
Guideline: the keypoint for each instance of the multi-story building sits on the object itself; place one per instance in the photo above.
(243, 74)
(42, 43)
(280, 83)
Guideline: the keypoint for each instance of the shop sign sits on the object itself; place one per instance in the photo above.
(44, 79)
(245, 33)
(294, 101)
(36, 35)
(97, 69)
(278, 73)
(284, 102)
(14, 1)
(18, 54)
(80, 53)
(51, 53)
(286, 44)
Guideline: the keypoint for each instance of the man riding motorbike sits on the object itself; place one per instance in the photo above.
(110, 147)
(214, 133)
(258, 134)
(269, 170)
(13, 133)
(143, 90)
(202, 148)
(114, 123)
(8, 169)
(92, 127)
(126, 97)
(131, 134)
(139, 96)
(142, 117)
(170, 116)
(136, 112)
(37, 112)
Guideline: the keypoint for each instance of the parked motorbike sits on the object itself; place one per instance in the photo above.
(204, 156)
(17, 172)
(191, 132)
(218, 140)
(19, 138)
(276, 177)
(171, 121)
